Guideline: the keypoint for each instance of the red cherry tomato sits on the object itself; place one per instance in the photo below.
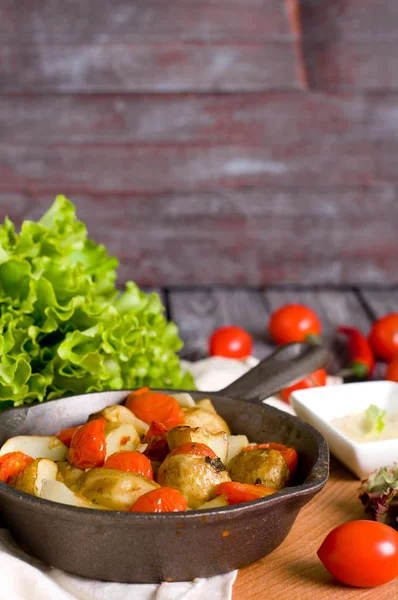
(155, 406)
(194, 448)
(133, 462)
(392, 369)
(361, 553)
(317, 379)
(294, 323)
(160, 500)
(157, 448)
(289, 454)
(12, 464)
(65, 435)
(384, 336)
(87, 448)
(231, 341)
(242, 492)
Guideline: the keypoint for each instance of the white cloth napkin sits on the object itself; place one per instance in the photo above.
(23, 577)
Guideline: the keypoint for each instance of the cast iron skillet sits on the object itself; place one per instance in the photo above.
(143, 548)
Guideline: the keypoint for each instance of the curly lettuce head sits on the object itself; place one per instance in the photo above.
(64, 327)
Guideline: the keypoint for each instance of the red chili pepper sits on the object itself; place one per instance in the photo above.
(362, 357)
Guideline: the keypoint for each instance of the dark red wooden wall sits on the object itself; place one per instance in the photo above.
(212, 141)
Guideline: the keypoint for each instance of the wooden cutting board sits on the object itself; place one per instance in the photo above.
(293, 571)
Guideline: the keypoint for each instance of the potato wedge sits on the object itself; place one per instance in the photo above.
(59, 492)
(36, 446)
(207, 404)
(183, 434)
(199, 417)
(31, 479)
(217, 502)
(236, 443)
(184, 399)
(121, 414)
(120, 438)
(117, 490)
(68, 474)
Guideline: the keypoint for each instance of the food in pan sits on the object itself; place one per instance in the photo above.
(158, 453)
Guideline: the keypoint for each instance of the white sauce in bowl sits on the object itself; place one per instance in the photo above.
(355, 426)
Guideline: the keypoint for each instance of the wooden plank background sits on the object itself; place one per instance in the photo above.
(191, 144)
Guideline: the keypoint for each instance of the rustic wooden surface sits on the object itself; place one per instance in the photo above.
(191, 127)
(292, 571)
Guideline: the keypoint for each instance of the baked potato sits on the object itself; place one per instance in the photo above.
(117, 490)
(119, 414)
(36, 446)
(260, 465)
(31, 479)
(120, 438)
(218, 442)
(194, 476)
(199, 417)
(68, 473)
(59, 492)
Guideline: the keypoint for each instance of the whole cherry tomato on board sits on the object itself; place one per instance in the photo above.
(317, 379)
(163, 499)
(87, 447)
(361, 553)
(243, 492)
(131, 461)
(12, 464)
(154, 406)
(230, 341)
(384, 336)
(294, 323)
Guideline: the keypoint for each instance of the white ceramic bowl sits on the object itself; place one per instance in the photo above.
(319, 406)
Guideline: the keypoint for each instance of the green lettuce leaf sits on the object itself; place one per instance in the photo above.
(65, 328)
(374, 419)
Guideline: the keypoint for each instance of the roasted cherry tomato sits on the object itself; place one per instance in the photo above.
(163, 499)
(289, 454)
(134, 462)
(65, 435)
(87, 448)
(157, 448)
(155, 406)
(384, 336)
(242, 492)
(294, 323)
(392, 369)
(12, 464)
(361, 553)
(231, 341)
(317, 379)
(194, 448)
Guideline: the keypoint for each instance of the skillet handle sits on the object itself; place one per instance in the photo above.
(287, 365)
